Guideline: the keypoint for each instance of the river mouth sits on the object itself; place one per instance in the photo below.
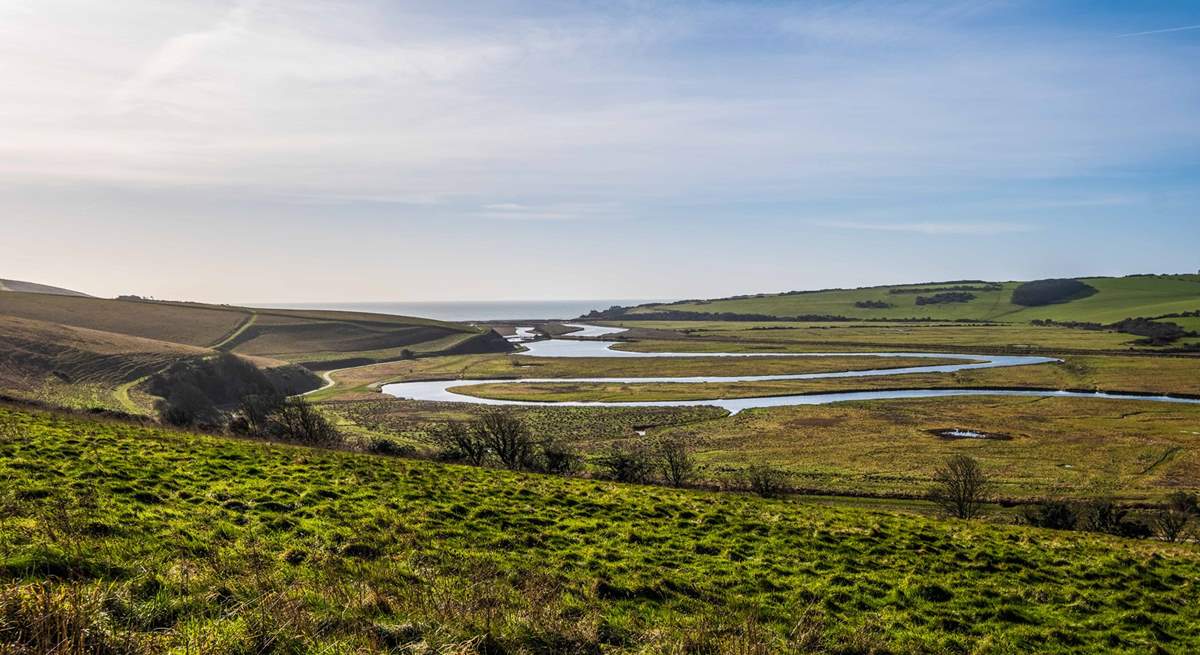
(584, 343)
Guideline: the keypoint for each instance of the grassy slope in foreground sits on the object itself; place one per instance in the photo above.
(1117, 298)
(158, 541)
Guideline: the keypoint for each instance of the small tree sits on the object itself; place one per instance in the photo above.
(558, 458)
(507, 438)
(959, 487)
(1054, 514)
(457, 442)
(1104, 515)
(765, 480)
(255, 410)
(626, 462)
(296, 420)
(185, 405)
(1172, 522)
(675, 462)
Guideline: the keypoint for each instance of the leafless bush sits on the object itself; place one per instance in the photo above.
(558, 458)
(959, 487)
(1173, 521)
(675, 461)
(297, 420)
(458, 442)
(507, 438)
(765, 480)
(626, 462)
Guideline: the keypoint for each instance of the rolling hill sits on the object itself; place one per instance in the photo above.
(20, 286)
(321, 339)
(1114, 299)
(88, 352)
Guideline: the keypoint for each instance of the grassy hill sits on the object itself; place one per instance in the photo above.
(1115, 299)
(20, 286)
(91, 352)
(312, 337)
(126, 539)
(78, 367)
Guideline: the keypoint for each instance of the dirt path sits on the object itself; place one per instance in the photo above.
(250, 320)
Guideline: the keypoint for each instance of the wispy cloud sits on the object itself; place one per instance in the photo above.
(180, 50)
(933, 228)
(551, 212)
(1183, 28)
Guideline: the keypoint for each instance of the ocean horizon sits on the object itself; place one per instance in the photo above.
(471, 310)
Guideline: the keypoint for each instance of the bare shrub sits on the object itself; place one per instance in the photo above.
(253, 416)
(298, 421)
(765, 480)
(1053, 514)
(626, 462)
(558, 458)
(1107, 516)
(507, 438)
(1172, 522)
(675, 462)
(459, 443)
(960, 487)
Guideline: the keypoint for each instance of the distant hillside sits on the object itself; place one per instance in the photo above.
(1112, 300)
(95, 353)
(78, 367)
(319, 338)
(32, 287)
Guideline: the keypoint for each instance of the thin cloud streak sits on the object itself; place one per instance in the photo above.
(933, 228)
(1184, 28)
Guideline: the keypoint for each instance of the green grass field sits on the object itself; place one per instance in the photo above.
(1117, 298)
(132, 540)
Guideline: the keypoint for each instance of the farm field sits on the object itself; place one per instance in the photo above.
(169, 541)
(1116, 299)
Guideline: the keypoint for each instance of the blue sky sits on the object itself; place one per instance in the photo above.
(337, 151)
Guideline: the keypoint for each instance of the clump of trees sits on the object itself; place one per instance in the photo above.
(873, 304)
(765, 480)
(1155, 331)
(983, 287)
(960, 487)
(228, 392)
(1048, 292)
(944, 298)
(1175, 521)
(193, 392)
(500, 436)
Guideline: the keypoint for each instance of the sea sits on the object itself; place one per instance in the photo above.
(465, 311)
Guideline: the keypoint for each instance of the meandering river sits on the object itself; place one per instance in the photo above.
(444, 390)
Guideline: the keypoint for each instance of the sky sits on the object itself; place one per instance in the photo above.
(341, 150)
